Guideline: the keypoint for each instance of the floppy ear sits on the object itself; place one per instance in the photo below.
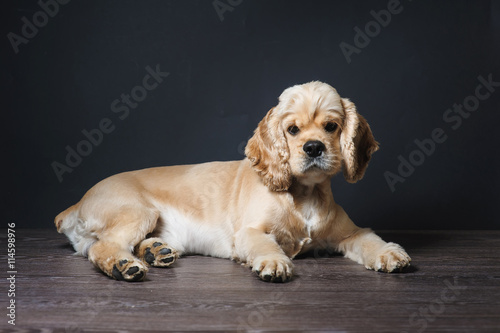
(268, 152)
(356, 142)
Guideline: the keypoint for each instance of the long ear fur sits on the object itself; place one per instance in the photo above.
(268, 152)
(357, 143)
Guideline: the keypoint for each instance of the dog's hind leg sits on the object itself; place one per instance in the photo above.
(117, 262)
(112, 253)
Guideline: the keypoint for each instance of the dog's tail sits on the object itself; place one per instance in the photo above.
(60, 219)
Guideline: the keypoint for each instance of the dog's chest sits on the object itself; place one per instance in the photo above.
(304, 222)
(309, 209)
(310, 217)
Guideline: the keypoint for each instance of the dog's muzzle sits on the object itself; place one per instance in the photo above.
(315, 151)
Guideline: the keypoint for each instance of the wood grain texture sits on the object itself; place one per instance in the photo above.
(453, 285)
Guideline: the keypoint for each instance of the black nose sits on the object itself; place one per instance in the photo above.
(314, 148)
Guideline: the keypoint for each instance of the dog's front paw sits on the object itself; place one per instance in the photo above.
(391, 257)
(278, 268)
(129, 270)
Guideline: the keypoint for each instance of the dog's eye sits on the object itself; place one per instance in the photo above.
(330, 127)
(293, 130)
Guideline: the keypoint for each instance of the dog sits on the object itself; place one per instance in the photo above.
(261, 211)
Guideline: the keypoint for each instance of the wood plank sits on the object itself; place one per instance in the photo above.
(454, 285)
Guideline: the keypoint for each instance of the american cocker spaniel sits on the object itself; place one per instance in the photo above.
(261, 211)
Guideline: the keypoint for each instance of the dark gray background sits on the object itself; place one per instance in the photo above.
(226, 74)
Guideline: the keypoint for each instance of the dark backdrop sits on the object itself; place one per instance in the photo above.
(69, 69)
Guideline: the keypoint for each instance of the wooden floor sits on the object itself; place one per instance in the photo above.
(454, 285)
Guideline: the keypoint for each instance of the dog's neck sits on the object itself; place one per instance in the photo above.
(300, 189)
(312, 179)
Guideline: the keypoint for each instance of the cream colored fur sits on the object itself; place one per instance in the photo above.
(261, 211)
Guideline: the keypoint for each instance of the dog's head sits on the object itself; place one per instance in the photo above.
(309, 136)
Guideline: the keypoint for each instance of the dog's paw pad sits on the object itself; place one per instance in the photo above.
(165, 251)
(168, 260)
(148, 256)
(117, 274)
(132, 270)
